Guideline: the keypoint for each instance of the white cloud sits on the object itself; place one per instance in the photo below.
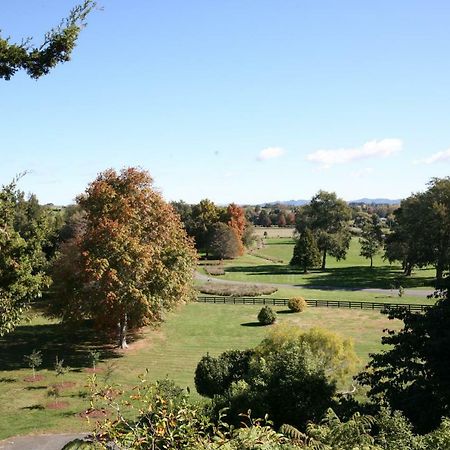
(435, 157)
(362, 173)
(372, 149)
(270, 153)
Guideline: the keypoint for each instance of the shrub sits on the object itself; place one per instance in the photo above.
(267, 316)
(297, 304)
(215, 375)
(214, 270)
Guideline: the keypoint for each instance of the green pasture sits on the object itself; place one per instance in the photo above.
(270, 264)
(171, 350)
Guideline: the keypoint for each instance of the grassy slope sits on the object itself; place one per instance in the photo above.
(173, 351)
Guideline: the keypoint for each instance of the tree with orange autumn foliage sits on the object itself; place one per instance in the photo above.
(237, 222)
(130, 259)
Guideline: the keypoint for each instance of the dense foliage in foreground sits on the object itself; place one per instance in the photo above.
(165, 419)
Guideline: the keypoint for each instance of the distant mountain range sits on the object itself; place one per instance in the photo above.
(366, 201)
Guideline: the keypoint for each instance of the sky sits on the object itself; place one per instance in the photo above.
(245, 101)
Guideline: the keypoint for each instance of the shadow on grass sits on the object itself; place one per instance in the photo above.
(33, 407)
(286, 311)
(252, 324)
(71, 345)
(7, 380)
(36, 388)
(346, 278)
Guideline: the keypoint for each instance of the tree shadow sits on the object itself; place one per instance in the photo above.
(33, 407)
(286, 311)
(252, 324)
(7, 380)
(73, 345)
(360, 277)
(36, 388)
(352, 278)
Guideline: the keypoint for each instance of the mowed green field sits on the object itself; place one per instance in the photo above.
(270, 264)
(172, 350)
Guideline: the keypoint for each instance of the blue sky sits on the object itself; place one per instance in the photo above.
(235, 100)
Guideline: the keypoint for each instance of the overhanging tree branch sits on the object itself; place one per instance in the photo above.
(57, 47)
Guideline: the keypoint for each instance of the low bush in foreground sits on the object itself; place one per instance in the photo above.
(236, 289)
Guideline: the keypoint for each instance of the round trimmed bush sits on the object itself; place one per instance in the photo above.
(267, 316)
(297, 304)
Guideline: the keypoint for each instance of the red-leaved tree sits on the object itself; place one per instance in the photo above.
(237, 222)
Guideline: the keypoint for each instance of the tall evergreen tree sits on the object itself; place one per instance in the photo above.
(306, 253)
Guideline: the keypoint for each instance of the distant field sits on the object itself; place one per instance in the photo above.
(274, 232)
(270, 264)
(173, 351)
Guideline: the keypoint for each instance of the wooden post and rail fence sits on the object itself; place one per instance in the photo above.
(311, 302)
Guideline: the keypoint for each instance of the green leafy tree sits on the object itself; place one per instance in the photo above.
(412, 374)
(371, 238)
(22, 259)
(57, 47)
(129, 262)
(204, 215)
(292, 377)
(327, 217)
(306, 252)
(421, 233)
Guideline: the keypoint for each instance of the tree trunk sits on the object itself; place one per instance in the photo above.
(123, 332)
(439, 274)
(408, 269)
(371, 262)
(324, 259)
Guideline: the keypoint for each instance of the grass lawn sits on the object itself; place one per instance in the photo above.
(353, 272)
(172, 350)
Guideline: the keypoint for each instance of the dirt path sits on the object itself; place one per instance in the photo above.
(39, 442)
(409, 292)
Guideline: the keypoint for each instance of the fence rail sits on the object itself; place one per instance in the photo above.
(311, 302)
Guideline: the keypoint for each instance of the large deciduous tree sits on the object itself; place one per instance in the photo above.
(204, 215)
(371, 238)
(57, 47)
(327, 217)
(223, 242)
(421, 234)
(130, 259)
(23, 236)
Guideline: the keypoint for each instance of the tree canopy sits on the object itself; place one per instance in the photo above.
(24, 232)
(129, 261)
(327, 217)
(56, 48)
(412, 374)
(421, 233)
